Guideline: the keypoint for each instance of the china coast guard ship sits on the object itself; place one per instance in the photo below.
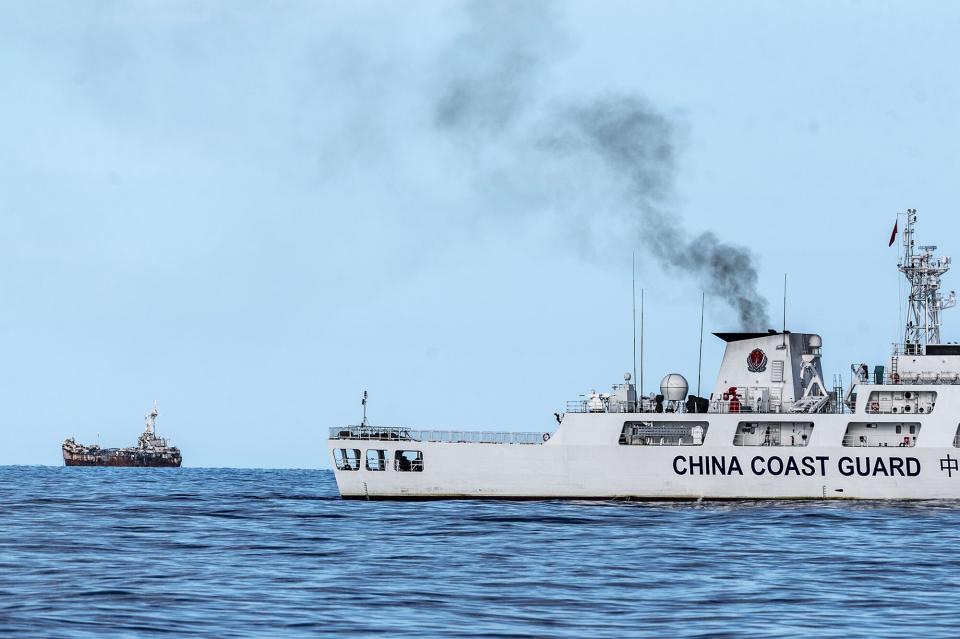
(771, 428)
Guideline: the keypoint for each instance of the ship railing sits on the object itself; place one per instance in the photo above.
(646, 406)
(906, 349)
(854, 441)
(749, 439)
(722, 406)
(740, 438)
(909, 378)
(603, 406)
(642, 405)
(647, 440)
(393, 433)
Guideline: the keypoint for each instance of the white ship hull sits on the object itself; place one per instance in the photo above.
(584, 460)
(770, 428)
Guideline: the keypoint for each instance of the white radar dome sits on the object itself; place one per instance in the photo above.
(674, 387)
(815, 341)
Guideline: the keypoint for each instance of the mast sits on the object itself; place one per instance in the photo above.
(703, 302)
(633, 291)
(784, 342)
(641, 341)
(151, 419)
(923, 271)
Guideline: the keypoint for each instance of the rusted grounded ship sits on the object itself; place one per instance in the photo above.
(151, 451)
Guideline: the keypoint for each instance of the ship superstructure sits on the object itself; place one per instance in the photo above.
(151, 450)
(771, 428)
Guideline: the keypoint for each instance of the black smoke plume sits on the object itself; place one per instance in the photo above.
(493, 93)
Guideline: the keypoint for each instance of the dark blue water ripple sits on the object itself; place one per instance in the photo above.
(92, 552)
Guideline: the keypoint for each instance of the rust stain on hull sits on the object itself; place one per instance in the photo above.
(151, 451)
(114, 459)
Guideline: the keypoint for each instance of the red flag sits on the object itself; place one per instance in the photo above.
(893, 235)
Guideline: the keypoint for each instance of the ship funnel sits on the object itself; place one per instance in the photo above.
(674, 387)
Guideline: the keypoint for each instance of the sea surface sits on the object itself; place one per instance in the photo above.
(114, 552)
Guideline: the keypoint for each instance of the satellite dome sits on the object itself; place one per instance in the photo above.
(815, 341)
(674, 387)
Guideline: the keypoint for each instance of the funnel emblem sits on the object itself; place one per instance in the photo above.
(757, 361)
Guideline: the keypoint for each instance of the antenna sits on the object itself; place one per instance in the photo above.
(784, 343)
(641, 341)
(899, 282)
(633, 291)
(703, 301)
(364, 403)
(784, 302)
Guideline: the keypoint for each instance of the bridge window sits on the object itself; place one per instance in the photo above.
(663, 433)
(881, 434)
(773, 434)
(346, 458)
(377, 459)
(408, 461)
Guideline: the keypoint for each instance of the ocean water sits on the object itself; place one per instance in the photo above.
(100, 552)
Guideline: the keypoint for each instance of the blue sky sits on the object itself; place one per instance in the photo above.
(248, 211)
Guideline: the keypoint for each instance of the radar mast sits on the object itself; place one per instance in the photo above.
(150, 419)
(923, 271)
